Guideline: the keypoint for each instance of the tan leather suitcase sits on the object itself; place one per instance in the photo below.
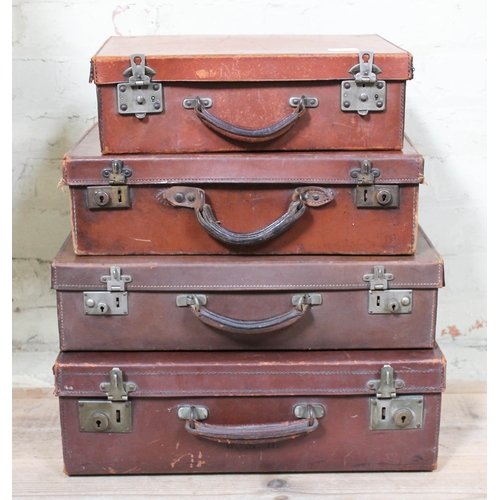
(352, 203)
(198, 413)
(140, 303)
(171, 94)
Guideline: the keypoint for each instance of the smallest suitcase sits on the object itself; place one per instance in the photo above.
(244, 412)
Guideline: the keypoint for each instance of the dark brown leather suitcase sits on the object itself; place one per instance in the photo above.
(243, 203)
(174, 413)
(144, 303)
(171, 94)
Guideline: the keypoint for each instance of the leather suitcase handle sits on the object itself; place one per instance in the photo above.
(190, 197)
(254, 433)
(249, 135)
(250, 327)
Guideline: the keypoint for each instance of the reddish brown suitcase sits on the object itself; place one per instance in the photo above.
(243, 203)
(171, 94)
(242, 302)
(174, 413)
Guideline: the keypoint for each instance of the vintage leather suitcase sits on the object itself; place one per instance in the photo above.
(237, 203)
(171, 94)
(179, 412)
(123, 303)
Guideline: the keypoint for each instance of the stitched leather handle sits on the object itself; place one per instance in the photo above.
(251, 327)
(254, 433)
(249, 135)
(190, 197)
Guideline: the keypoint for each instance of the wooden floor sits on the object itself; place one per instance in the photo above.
(37, 464)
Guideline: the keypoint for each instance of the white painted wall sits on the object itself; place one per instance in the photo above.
(53, 105)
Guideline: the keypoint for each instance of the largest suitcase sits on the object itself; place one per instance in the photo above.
(164, 94)
(243, 203)
(173, 413)
(187, 302)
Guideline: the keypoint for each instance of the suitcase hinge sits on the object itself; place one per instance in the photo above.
(116, 194)
(113, 415)
(381, 300)
(365, 93)
(389, 411)
(140, 96)
(371, 195)
(113, 302)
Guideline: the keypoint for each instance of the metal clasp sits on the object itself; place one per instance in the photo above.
(365, 93)
(140, 96)
(114, 195)
(384, 301)
(113, 415)
(389, 411)
(114, 302)
(116, 389)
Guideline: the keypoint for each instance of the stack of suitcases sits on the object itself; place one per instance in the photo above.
(246, 287)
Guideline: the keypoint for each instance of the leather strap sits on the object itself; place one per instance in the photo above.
(249, 135)
(266, 325)
(252, 434)
(190, 197)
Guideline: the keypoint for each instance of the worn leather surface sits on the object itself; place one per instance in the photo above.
(243, 58)
(250, 79)
(253, 105)
(247, 288)
(246, 192)
(249, 389)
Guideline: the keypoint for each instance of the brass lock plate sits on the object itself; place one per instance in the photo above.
(105, 303)
(377, 196)
(139, 100)
(390, 301)
(105, 416)
(108, 197)
(399, 413)
(363, 97)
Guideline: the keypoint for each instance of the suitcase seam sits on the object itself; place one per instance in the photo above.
(402, 112)
(433, 317)
(232, 286)
(75, 223)
(61, 324)
(287, 391)
(261, 180)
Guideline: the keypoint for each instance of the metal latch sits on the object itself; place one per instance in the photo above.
(114, 195)
(371, 195)
(365, 93)
(111, 415)
(389, 411)
(139, 96)
(381, 300)
(112, 302)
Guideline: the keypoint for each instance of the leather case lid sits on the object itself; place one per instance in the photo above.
(83, 165)
(188, 374)
(424, 269)
(251, 58)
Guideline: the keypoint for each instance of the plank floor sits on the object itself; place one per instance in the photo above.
(37, 467)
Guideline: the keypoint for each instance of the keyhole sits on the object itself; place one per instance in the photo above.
(117, 301)
(403, 418)
(102, 308)
(366, 195)
(384, 197)
(378, 300)
(98, 424)
(393, 307)
(119, 195)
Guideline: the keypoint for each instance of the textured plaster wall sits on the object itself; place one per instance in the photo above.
(53, 105)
